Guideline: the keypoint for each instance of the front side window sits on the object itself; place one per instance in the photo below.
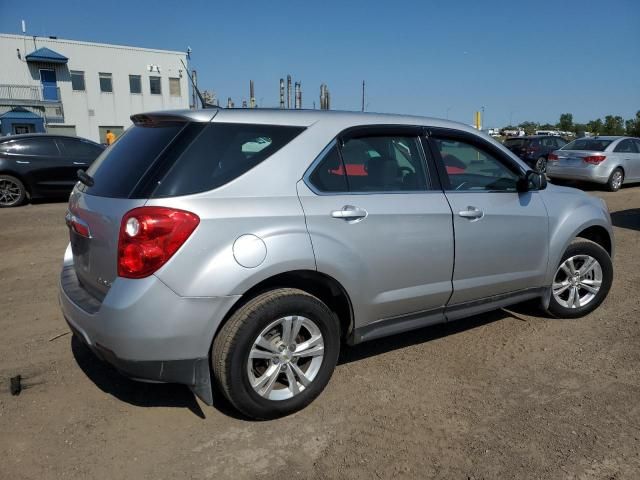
(106, 83)
(174, 87)
(79, 148)
(154, 86)
(77, 80)
(41, 146)
(470, 168)
(135, 84)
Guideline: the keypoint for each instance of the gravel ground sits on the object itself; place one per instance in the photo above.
(508, 394)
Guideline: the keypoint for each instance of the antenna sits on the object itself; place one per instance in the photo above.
(204, 104)
(24, 26)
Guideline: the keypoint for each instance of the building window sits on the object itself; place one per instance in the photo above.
(135, 84)
(154, 86)
(174, 87)
(77, 80)
(106, 84)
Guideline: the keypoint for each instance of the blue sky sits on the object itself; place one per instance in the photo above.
(520, 60)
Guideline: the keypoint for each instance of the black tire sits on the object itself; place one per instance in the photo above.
(541, 165)
(585, 247)
(12, 192)
(231, 347)
(613, 185)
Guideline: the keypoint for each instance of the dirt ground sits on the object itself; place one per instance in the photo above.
(508, 394)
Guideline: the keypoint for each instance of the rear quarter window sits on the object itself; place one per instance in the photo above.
(219, 154)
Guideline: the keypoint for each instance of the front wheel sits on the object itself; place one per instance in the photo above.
(276, 353)
(582, 280)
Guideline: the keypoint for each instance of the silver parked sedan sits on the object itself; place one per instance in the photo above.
(249, 246)
(607, 160)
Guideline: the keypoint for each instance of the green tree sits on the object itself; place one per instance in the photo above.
(547, 126)
(566, 122)
(633, 125)
(529, 127)
(595, 126)
(613, 125)
(580, 128)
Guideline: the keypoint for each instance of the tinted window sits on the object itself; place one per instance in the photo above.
(560, 143)
(40, 146)
(119, 168)
(378, 164)
(548, 142)
(589, 144)
(625, 146)
(105, 82)
(220, 154)
(135, 84)
(79, 148)
(154, 85)
(516, 142)
(77, 80)
(471, 168)
(12, 147)
(329, 176)
(637, 142)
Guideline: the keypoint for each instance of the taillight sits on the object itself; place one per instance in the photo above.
(149, 236)
(595, 159)
(552, 157)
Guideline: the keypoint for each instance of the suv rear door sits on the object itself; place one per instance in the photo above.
(381, 226)
(501, 235)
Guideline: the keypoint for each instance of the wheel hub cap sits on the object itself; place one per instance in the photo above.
(577, 281)
(285, 358)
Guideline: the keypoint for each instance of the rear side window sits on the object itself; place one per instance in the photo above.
(329, 175)
(219, 154)
(120, 167)
(625, 146)
(515, 142)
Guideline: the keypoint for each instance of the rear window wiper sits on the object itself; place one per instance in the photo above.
(85, 178)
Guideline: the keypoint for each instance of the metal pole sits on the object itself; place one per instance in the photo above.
(288, 91)
(363, 95)
(282, 93)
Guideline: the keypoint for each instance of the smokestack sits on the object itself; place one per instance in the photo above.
(229, 103)
(322, 96)
(325, 102)
(282, 93)
(298, 95)
(363, 95)
(194, 78)
(244, 103)
(252, 97)
(288, 91)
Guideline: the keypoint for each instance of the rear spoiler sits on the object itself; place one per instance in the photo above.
(159, 118)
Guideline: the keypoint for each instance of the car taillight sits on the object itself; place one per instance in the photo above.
(595, 159)
(552, 157)
(149, 236)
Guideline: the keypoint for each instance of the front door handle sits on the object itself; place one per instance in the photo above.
(79, 163)
(472, 213)
(349, 212)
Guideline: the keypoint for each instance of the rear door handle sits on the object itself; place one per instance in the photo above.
(472, 213)
(349, 212)
(79, 163)
(22, 162)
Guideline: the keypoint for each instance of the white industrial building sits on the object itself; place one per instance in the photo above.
(84, 88)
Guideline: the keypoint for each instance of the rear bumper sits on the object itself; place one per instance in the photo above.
(587, 173)
(145, 330)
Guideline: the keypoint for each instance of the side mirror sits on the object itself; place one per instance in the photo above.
(531, 181)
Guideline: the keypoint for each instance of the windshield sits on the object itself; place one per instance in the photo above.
(589, 144)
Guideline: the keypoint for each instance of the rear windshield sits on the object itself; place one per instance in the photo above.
(181, 159)
(516, 142)
(590, 144)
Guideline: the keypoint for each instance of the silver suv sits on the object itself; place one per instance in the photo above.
(246, 246)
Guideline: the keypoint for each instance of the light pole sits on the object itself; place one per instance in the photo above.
(482, 122)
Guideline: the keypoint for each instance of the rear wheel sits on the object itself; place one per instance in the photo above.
(615, 180)
(541, 165)
(12, 191)
(582, 280)
(276, 353)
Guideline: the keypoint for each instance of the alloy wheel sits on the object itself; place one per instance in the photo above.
(10, 192)
(616, 179)
(285, 357)
(577, 281)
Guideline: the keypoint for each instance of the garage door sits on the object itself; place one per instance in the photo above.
(62, 129)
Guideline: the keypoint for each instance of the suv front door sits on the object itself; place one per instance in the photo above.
(382, 227)
(501, 235)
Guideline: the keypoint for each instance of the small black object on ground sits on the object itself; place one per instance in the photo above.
(16, 385)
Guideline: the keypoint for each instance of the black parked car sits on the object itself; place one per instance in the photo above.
(41, 165)
(534, 149)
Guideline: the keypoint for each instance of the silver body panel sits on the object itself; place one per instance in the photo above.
(406, 264)
(570, 165)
